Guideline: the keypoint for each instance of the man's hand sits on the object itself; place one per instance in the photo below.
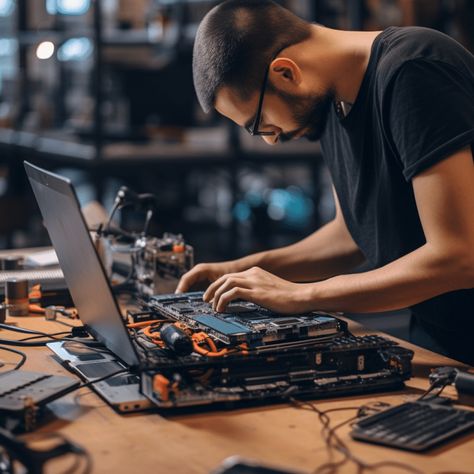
(260, 287)
(206, 272)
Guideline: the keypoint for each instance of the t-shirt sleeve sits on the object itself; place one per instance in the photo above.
(430, 113)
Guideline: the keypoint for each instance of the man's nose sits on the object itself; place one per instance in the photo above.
(272, 139)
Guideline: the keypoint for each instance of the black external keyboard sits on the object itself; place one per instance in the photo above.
(414, 426)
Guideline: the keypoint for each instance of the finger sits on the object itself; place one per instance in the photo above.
(230, 283)
(194, 275)
(209, 293)
(231, 295)
(184, 283)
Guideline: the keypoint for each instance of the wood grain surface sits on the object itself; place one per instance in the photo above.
(278, 435)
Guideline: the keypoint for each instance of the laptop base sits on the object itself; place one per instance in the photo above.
(121, 392)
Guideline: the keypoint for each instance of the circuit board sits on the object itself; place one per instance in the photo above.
(244, 322)
(335, 367)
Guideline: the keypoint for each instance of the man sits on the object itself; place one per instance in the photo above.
(395, 114)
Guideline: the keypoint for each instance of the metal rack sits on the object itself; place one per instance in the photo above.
(100, 157)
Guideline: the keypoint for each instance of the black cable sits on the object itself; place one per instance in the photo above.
(424, 398)
(30, 338)
(21, 354)
(8, 327)
(328, 436)
(101, 379)
(340, 446)
(334, 442)
(441, 386)
(106, 228)
(440, 378)
(19, 343)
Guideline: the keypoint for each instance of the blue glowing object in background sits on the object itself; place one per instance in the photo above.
(6, 7)
(8, 46)
(67, 7)
(290, 206)
(75, 49)
(242, 211)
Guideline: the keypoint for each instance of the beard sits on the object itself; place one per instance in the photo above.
(310, 113)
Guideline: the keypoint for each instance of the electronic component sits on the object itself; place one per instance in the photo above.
(326, 367)
(414, 426)
(23, 394)
(16, 297)
(463, 381)
(139, 316)
(157, 262)
(176, 339)
(160, 262)
(11, 262)
(249, 323)
(52, 312)
(45, 276)
(51, 294)
(279, 356)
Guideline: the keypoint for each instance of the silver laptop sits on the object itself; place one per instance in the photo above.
(92, 295)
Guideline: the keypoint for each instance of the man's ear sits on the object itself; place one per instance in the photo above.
(284, 70)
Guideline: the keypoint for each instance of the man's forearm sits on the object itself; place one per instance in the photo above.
(418, 276)
(327, 252)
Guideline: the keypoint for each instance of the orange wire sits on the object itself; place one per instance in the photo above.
(202, 351)
(36, 308)
(151, 335)
(198, 339)
(211, 344)
(143, 324)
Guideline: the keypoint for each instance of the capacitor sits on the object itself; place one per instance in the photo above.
(16, 297)
(176, 339)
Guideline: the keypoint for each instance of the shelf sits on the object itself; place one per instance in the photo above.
(32, 38)
(198, 146)
(116, 38)
(201, 147)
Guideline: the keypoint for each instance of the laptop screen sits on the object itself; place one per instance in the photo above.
(79, 261)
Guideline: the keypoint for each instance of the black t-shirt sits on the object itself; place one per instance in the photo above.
(415, 108)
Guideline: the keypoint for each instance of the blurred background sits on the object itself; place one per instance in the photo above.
(101, 91)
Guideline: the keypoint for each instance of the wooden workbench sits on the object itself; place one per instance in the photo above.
(279, 435)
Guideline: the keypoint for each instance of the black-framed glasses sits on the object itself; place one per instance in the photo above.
(253, 129)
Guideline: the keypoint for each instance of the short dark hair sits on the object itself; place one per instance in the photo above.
(236, 41)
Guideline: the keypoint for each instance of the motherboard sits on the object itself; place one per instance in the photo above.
(245, 322)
